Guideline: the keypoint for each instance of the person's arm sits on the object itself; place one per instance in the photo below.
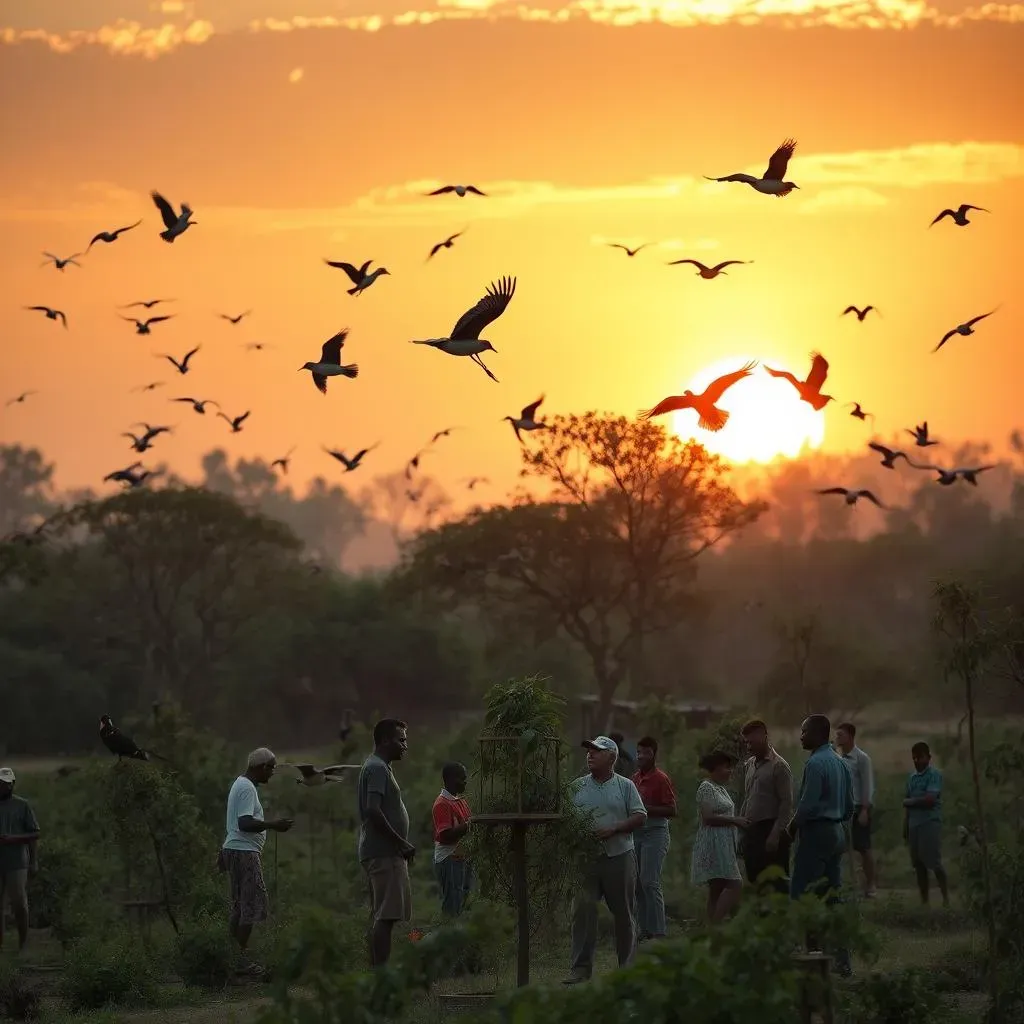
(636, 813)
(667, 806)
(867, 783)
(810, 794)
(376, 781)
(783, 779)
(928, 798)
(446, 826)
(706, 806)
(247, 820)
(29, 833)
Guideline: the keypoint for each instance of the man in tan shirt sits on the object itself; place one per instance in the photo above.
(768, 805)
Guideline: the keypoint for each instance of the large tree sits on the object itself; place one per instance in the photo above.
(607, 556)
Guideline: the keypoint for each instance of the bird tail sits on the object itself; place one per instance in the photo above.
(713, 419)
(351, 370)
(353, 290)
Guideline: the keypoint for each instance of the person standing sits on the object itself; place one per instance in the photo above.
(19, 839)
(241, 854)
(823, 808)
(651, 841)
(617, 811)
(384, 847)
(863, 800)
(767, 805)
(451, 816)
(714, 861)
(922, 822)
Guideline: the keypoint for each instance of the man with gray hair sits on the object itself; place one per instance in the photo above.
(240, 855)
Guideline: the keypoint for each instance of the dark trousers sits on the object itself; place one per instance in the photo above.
(818, 868)
(757, 858)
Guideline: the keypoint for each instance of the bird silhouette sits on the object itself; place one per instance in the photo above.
(948, 477)
(810, 389)
(710, 417)
(889, 455)
(283, 462)
(61, 262)
(770, 183)
(152, 386)
(234, 319)
(708, 273)
(860, 313)
(313, 776)
(145, 303)
(353, 463)
(236, 422)
(858, 413)
(198, 404)
(111, 236)
(18, 399)
(920, 435)
(460, 190)
(360, 277)
(330, 364)
(51, 314)
(963, 329)
(143, 326)
(852, 496)
(527, 420)
(626, 249)
(144, 441)
(124, 746)
(175, 223)
(181, 367)
(959, 215)
(446, 244)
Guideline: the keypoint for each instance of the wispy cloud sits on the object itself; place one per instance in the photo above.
(128, 38)
(843, 199)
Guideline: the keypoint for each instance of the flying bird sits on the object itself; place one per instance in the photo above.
(442, 433)
(459, 190)
(414, 463)
(852, 496)
(175, 223)
(283, 461)
(235, 319)
(20, 398)
(145, 441)
(134, 475)
(143, 326)
(710, 417)
(257, 346)
(145, 303)
(446, 244)
(920, 435)
(152, 386)
(51, 314)
(198, 404)
(959, 215)
(626, 249)
(111, 236)
(860, 313)
(236, 422)
(859, 413)
(330, 364)
(124, 746)
(527, 420)
(361, 278)
(770, 183)
(948, 477)
(312, 776)
(964, 329)
(465, 338)
(889, 455)
(708, 273)
(59, 262)
(182, 367)
(354, 462)
(810, 389)
(474, 480)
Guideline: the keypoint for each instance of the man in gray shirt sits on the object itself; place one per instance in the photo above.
(863, 798)
(384, 847)
(616, 810)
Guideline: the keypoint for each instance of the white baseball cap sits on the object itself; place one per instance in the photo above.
(6, 775)
(601, 743)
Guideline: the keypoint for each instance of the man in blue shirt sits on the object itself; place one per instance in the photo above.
(823, 808)
(922, 821)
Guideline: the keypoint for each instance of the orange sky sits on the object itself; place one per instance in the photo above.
(583, 132)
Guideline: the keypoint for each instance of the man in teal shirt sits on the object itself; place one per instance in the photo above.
(19, 835)
(922, 821)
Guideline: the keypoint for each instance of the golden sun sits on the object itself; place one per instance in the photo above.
(766, 418)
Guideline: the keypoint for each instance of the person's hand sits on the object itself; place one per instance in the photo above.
(771, 844)
(606, 832)
(862, 818)
(407, 850)
(741, 822)
(282, 824)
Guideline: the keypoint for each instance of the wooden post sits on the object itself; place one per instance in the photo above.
(522, 902)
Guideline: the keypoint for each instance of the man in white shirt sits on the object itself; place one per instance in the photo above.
(243, 845)
(863, 798)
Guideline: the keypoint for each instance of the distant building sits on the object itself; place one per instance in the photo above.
(696, 715)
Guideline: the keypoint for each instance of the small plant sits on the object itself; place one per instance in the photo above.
(908, 996)
(18, 1001)
(205, 953)
(113, 970)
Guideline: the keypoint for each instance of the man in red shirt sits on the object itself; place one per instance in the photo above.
(652, 839)
(451, 822)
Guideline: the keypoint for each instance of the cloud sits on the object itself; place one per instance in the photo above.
(128, 38)
(843, 198)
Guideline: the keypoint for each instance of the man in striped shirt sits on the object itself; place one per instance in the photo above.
(863, 799)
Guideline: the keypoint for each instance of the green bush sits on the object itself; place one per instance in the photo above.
(18, 1001)
(908, 996)
(112, 970)
(67, 894)
(204, 952)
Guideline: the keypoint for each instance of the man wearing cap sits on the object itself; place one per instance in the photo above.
(616, 811)
(19, 834)
(240, 855)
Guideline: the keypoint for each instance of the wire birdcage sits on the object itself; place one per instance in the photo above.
(519, 778)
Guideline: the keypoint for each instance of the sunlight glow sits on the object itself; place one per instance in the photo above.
(766, 418)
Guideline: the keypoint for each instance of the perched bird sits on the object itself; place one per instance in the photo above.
(959, 215)
(51, 314)
(770, 183)
(198, 404)
(626, 249)
(708, 273)
(152, 386)
(527, 420)
(889, 455)
(948, 477)
(183, 365)
(312, 776)
(145, 441)
(145, 303)
(124, 746)
(446, 244)
(111, 236)
(20, 398)
(810, 389)
(143, 326)
(235, 319)
(60, 263)
(465, 339)
(710, 417)
(858, 413)
(852, 496)
(860, 313)
(283, 461)
(330, 364)
(964, 329)
(920, 435)
(134, 475)
(236, 422)
(361, 278)
(354, 462)
(459, 190)
(175, 223)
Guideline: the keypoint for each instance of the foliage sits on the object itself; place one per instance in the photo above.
(205, 953)
(18, 1000)
(907, 996)
(112, 969)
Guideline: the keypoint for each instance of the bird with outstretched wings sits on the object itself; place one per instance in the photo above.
(486, 311)
(780, 161)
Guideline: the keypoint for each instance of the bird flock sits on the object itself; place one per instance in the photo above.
(464, 340)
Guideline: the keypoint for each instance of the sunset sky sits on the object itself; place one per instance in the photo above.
(305, 129)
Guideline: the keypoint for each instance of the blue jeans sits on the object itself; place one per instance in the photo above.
(818, 867)
(651, 844)
(454, 878)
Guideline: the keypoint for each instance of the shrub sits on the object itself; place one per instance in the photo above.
(18, 1001)
(907, 996)
(112, 970)
(67, 893)
(204, 952)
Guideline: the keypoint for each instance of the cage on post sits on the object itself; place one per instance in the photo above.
(520, 778)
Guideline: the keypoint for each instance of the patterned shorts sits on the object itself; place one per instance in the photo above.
(249, 902)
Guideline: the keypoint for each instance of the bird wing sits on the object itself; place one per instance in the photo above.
(338, 769)
(945, 338)
(974, 320)
(442, 190)
(487, 310)
(529, 411)
(158, 319)
(167, 214)
(239, 420)
(435, 249)
(714, 391)
(780, 160)
(63, 318)
(727, 263)
(475, 190)
(671, 404)
(696, 263)
(41, 309)
(354, 275)
(189, 355)
(945, 213)
(784, 374)
(871, 498)
(819, 371)
(331, 351)
(833, 490)
(851, 309)
(882, 450)
(321, 383)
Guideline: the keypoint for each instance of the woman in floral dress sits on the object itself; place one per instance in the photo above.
(714, 847)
